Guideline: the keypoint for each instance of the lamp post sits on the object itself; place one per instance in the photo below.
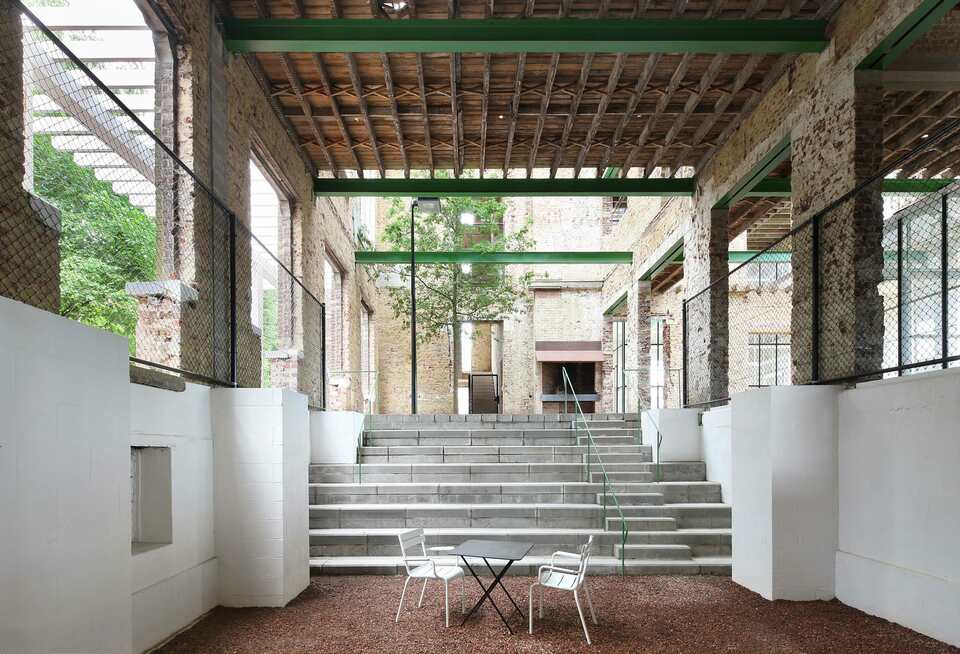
(426, 205)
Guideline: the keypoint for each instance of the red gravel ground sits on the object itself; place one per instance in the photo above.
(668, 615)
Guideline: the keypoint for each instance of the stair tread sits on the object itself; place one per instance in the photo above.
(512, 484)
(360, 561)
(570, 505)
(518, 531)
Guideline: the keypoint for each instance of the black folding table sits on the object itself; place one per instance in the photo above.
(508, 551)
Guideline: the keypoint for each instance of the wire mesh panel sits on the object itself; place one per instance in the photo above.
(103, 224)
(760, 301)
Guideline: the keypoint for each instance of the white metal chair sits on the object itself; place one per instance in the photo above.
(566, 578)
(421, 566)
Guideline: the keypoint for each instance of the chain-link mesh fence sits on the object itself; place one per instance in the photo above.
(869, 287)
(102, 223)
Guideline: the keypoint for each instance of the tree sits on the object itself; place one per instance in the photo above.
(449, 295)
(105, 242)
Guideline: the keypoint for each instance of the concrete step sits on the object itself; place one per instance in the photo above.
(606, 457)
(454, 435)
(493, 472)
(390, 421)
(630, 499)
(599, 565)
(383, 541)
(493, 454)
(659, 552)
(566, 516)
(641, 524)
(687, 516)
(508, 492)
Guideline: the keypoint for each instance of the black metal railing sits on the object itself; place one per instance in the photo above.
(103, 223)
(804, 311)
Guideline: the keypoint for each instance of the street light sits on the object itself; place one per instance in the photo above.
(426, 205)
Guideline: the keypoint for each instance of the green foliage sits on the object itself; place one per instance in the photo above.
(447, 294)
(269, 340)
(105, 242)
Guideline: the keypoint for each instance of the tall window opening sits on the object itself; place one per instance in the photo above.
(658, 369)
(620, 365)
(769, 359)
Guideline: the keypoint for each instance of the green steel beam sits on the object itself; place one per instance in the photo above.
(916, 185)
(758, 174)
(369, 257)
(528, 35)
(771, 187)
(616, 305)
(503, 187)
(673, 254)
(906, 33)
(740, 256)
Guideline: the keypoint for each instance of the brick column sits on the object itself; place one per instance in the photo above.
(639, 310)
(835, 150)
(705, 262)
(29, 228)
(162, 308)
(608, 368)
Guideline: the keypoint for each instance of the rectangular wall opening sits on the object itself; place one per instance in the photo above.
(151, 498)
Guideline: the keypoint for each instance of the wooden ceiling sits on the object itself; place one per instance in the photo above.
(378, 112)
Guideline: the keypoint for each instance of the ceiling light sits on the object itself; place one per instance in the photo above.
(393, 5)
(925, 136)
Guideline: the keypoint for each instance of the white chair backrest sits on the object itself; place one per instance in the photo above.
(584, 559)
(410, 541)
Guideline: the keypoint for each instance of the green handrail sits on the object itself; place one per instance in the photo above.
(607, 486)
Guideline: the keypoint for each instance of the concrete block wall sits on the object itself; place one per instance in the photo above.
(65, 483)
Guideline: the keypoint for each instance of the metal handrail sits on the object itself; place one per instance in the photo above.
(607, 485)
(369, 405)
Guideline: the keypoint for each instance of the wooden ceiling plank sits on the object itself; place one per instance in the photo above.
(395, 114)
(515, 100)
(357, 83)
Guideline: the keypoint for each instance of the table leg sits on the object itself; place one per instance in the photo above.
(504, 588)
(484, 597)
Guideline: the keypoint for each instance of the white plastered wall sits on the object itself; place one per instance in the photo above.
(64, 486)
(175, 584)
(899, 453)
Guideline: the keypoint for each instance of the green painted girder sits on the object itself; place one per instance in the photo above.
(503, 187)
(916, 185)
(757, 175)
(368, 257)
(527, 35)
(929, 13)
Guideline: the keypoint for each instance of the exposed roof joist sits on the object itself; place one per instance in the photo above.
(525, 36)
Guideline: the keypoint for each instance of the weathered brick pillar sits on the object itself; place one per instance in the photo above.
(608, 369)
(705, 263)
(639, 310)
(836, 149)
(29, 228)
(162, 310)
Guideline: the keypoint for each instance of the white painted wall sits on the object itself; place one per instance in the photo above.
(261, 457)
(333, 436)
(64, 486)
(175, 584)
(899, 456)
(716, 445)
(680, 429)
(784, 476)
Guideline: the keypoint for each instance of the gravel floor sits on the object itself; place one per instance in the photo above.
(637, 614)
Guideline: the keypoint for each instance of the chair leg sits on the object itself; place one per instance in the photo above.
(541, 602)
(576, 598)
(400, 608)
(590, 602)
(446, 602)
(530, 608)
(422, 593)
(463, 579)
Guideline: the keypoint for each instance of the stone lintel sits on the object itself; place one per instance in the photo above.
(172, 289)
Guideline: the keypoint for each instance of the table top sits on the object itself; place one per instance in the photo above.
(493, 549)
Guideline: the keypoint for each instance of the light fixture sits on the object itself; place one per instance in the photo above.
(393, 5)
(500, 116)
(925, 136)
(428, 205)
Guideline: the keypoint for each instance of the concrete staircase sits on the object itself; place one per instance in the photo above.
(515, 478)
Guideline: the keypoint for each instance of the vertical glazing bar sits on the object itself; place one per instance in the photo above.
(413, 313)
(899, 297)
(815, 299)
(686, 346)
(323, 357)
(232, 245)
(944, 291)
